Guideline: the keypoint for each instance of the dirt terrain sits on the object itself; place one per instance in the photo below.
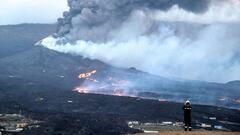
(193, 133)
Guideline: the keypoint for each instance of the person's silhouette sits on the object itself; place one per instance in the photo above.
(187, 115)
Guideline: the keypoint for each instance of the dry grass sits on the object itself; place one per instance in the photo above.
(193, 133)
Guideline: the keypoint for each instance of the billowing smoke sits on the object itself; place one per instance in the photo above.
(191, 39)
(98, 20)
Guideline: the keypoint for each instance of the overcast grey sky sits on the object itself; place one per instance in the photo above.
(31, 11)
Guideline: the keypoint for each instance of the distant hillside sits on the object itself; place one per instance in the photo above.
(234, 83)
(18, 38)
(41, 66)
(22, 61)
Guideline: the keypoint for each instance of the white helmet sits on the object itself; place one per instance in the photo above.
(187, 102)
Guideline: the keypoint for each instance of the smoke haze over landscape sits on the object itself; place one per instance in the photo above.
(196, 40)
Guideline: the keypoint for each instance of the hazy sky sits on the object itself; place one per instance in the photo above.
(31, 11)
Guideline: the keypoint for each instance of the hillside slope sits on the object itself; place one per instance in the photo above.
(18, 38)
(40, 66)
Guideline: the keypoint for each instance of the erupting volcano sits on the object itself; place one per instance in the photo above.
(193, 40)
(114, 67)
(180, 40)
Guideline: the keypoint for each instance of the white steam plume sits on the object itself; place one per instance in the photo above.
(224, 11)
(174, 42)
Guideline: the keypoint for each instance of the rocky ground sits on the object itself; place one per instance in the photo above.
(192, 133)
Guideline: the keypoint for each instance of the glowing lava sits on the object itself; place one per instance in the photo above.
(118, 92)
(87, 75)
(82, 90)
(107, 86)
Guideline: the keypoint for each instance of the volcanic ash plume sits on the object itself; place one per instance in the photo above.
(191, 39)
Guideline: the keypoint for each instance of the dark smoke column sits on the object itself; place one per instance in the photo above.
(94, 20)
